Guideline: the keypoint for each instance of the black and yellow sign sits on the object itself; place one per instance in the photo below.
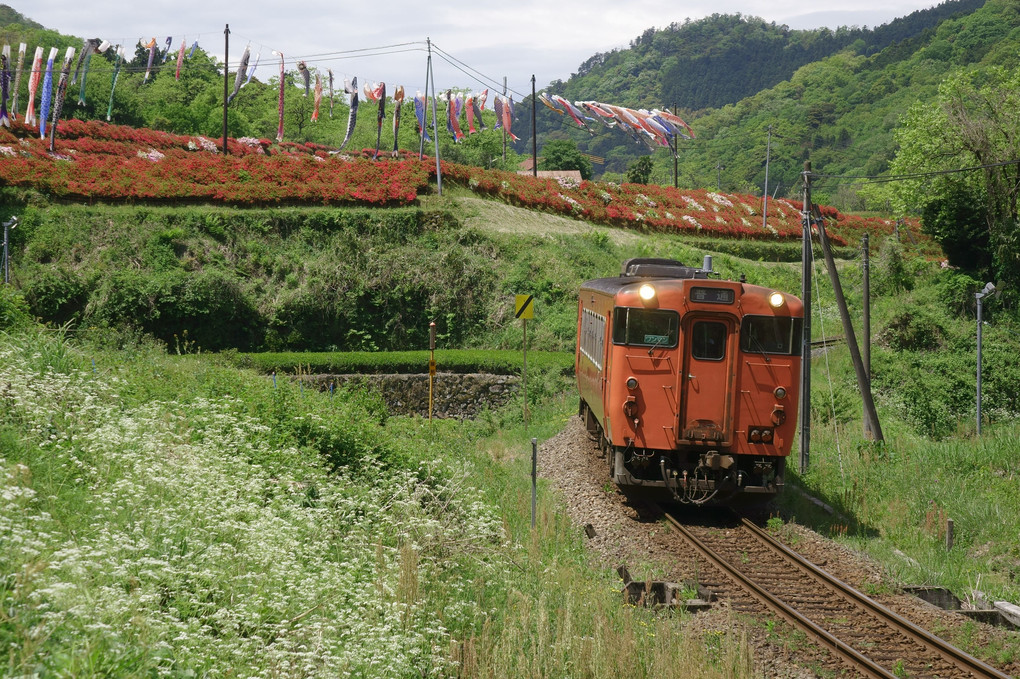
(524, 306)
(432, 366)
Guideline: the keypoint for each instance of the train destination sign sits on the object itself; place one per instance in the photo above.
(712, 295)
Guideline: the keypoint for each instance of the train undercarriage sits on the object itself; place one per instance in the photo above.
(690, 475)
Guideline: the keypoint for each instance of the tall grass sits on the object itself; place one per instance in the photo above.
(895, 500)
(173, 516)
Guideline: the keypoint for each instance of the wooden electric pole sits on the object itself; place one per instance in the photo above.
(863, 379)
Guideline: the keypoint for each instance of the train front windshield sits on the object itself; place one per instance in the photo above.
(771, 335)
(645, 327)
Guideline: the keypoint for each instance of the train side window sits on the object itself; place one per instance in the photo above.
(708, 341)
(645, 327)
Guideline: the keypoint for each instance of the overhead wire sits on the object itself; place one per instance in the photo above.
(481, 78)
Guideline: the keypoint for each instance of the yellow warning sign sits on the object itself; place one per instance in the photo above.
(524, 306)
(432, 367)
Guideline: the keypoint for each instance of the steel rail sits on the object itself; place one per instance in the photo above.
(909, 629)
(869, 667)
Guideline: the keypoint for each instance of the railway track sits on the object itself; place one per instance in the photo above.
(870, 638)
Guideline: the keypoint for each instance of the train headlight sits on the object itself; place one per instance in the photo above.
(647, 292)
(632, 383)
(755, 436)
(776, 300)
(779, 393)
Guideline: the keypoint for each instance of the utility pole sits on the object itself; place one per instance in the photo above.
(988, 289)
(866, 353)
(676, 153)
(504, 129)
(805, 294)
(226, 81)
(534, 134)
(765, 193)
(9, 224)
(435, 125)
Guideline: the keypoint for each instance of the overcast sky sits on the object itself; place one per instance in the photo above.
(386, 41)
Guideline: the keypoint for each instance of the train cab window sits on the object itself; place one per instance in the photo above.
(708, 340)
(645, 327)
(771, 335)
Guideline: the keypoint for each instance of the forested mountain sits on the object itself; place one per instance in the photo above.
(722, 59)
(839, 111)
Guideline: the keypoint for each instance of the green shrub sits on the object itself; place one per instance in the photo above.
(447, 360)
(14, 310)
(210, 307)
(57, 295)
(916, 328)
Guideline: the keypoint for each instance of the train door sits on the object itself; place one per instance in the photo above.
(707, 380)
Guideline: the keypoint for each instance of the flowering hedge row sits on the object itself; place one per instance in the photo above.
(99, 161)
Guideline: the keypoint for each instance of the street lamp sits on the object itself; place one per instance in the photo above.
(8, 225)
(987, 290)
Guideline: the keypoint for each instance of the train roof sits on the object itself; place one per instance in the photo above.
(644, 268)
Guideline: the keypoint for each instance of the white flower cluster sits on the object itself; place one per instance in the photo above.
(251, 142)
(204, 144)
(692, 221)
(7, 151)
(720, 199)
(645, 201)
(693, 204)
(575, 207)
(178, 544)
(606, 197)
(151, 154)
(568, 182)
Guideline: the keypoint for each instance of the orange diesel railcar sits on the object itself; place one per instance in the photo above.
(689, 382)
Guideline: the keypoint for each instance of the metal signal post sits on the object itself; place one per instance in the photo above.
(524, 309)
(432, 364)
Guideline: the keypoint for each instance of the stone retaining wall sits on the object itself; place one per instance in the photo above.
(458, 395)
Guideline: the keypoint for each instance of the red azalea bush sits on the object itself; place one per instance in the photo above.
(100, 161)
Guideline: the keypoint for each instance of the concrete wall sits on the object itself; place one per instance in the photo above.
(454, 394)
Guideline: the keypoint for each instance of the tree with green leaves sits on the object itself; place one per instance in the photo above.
(640, 171)
(563, 154)
(965, 142)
